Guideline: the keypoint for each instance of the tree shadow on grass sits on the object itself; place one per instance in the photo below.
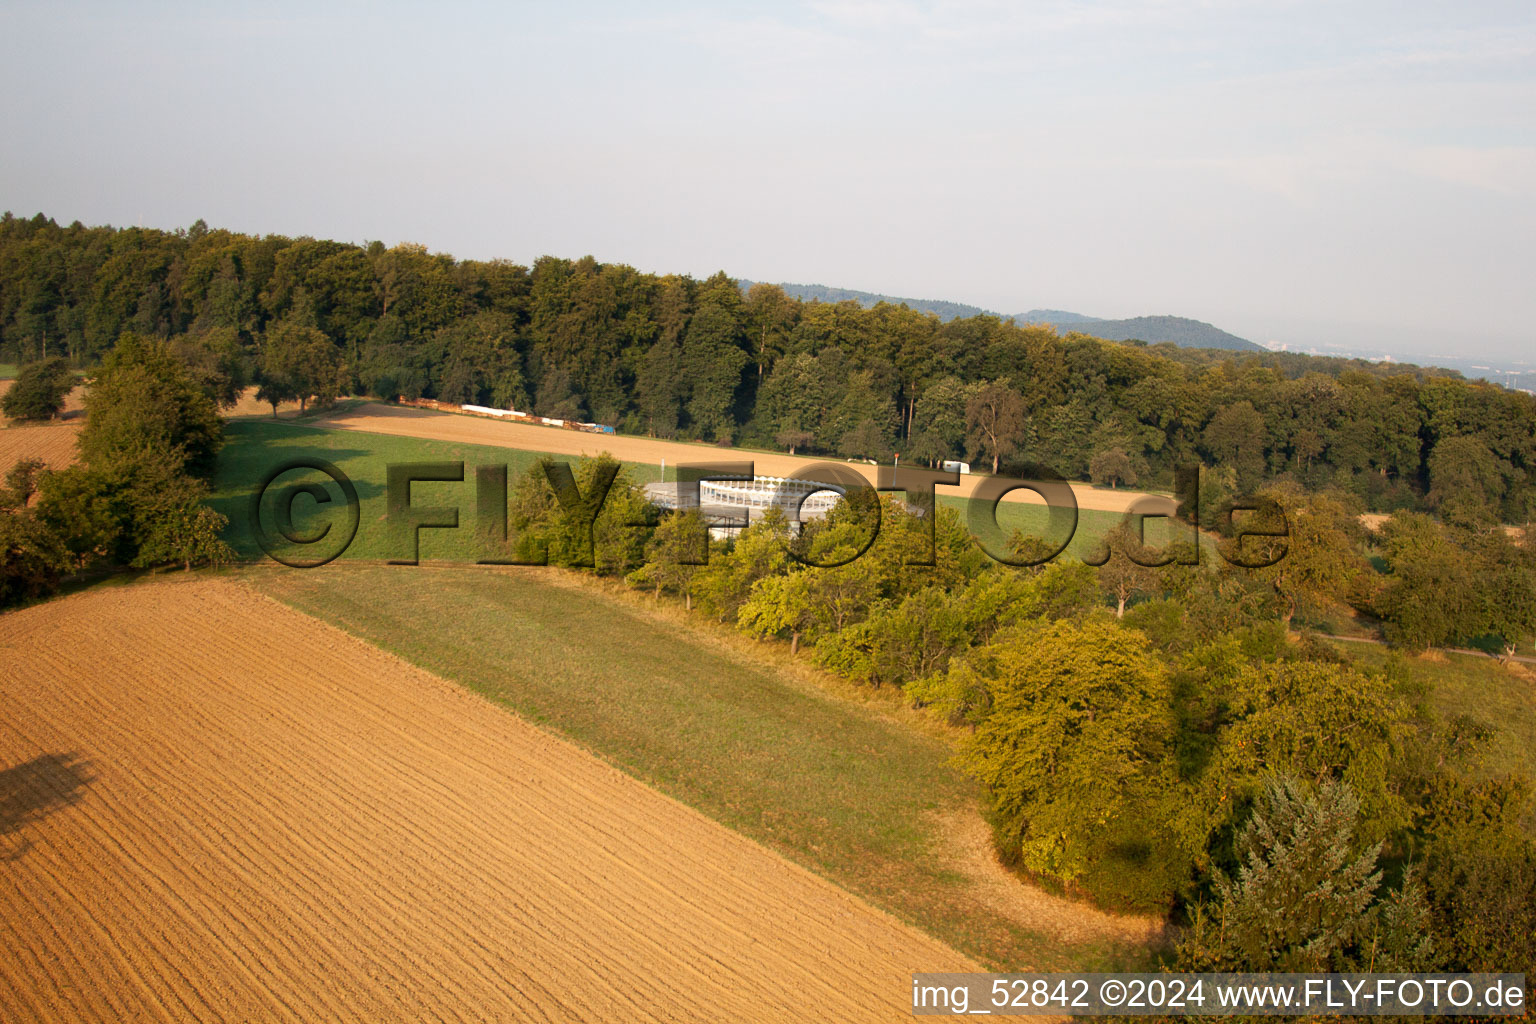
(34, 789)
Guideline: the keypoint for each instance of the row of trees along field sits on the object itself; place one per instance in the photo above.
(674, 356)
(135, 496)
(1156, 738)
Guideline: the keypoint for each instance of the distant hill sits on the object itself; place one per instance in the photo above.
(1059, 317)
(1179, 330)
(938, 307)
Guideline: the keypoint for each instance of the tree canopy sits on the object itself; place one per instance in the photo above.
(671, 355)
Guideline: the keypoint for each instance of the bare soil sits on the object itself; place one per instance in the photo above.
(53, 442)
(213, 807)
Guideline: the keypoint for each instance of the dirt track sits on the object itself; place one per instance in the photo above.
(215, 808)
(387, 419)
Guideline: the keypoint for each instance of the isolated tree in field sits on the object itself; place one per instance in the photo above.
(1302, 886)
(39, 390)
(1112, 467)
(994, 420)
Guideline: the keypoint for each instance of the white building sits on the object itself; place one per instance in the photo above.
(729, 506)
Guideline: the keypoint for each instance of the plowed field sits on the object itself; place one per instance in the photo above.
(213, 807)
(53, 442)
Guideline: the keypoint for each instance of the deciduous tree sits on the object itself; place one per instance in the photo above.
(39, 390)
(994, 420)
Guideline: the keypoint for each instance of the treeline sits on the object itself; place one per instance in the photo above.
(135, 497)
(674, 356)
(1149, 738)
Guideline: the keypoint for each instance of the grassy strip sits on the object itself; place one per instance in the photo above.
(843, 788)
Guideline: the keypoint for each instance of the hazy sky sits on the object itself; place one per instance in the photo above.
(1306, 172)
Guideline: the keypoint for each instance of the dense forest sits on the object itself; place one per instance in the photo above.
(675, 356)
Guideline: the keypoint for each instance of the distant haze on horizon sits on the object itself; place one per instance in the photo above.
(1304, 172)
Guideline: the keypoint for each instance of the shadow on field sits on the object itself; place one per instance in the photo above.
(34, 789)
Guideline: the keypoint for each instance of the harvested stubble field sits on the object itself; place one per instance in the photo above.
(213, 807)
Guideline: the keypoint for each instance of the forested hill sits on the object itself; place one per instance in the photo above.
(679, 357)
(1179, 330)
(821, 293)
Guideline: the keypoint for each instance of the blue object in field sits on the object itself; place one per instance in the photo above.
(606, 430)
